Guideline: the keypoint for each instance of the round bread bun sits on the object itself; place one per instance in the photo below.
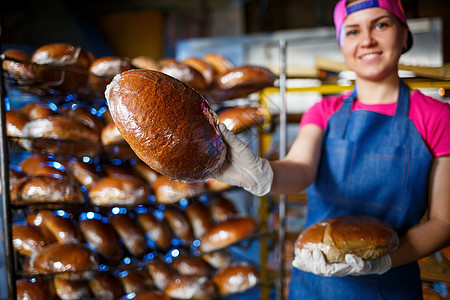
(188, 149)
(131, 234)
(157, 230)
(46, 189)
(183, 72)
(214, 186)
(191, 287)
(18, 63)
(49, 168)
(85, 173)
(147, 173)
(83, 115)
(364, 236)
(31, 162)
(179, 224)
(236, 279)
(71, 289)
(238, 119)
(227, 233)
(161, 272)
(63, 229)
(37, 110)
(220, 63)
(199, 218)
(168, 191)
(75, 258)
(27, 239)
(222, 209)
(102, 237)
(37, 219)
(118, 170)
(106, 286)
(110, 135)
(188, 264)
(218, 259)
(119, 190)
(246, 76)
(15, 121)
(203, 67)
(62, 55)
(15, 177)
(147, 295)
(145, 62)
(136, 280)
(103, 70)
(35, 289)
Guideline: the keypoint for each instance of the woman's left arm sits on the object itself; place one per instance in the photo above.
(434, 234)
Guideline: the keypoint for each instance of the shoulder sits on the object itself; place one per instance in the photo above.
(321, 111)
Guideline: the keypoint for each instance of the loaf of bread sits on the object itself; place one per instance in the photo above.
(203, 67)
(85, 173)
(37, 110)
(364, 236)
(103, 69)
(191, 287)
(18, 64)
(145, 62)
(168, 191)
(119, 190)
(35, 289)
(110, 135)
(27, 239)
(136, 281)
(147, 295)
(168, 124)
(131, 234)
(188, 264)
(220, 259)
(246, 76)
(184, 73)
(240, 118)
(179, 224)
(219, 62)
(106, 286)
(15, 122)
(236, 279)
(199, 218)
(227, 233)
(157, 230)
(31, 162)
(222, 209)
(71, 289)
(83, 115)
(161, 272)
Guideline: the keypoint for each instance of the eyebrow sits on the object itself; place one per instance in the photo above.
(371, 22)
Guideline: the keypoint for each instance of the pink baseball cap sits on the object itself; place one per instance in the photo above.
(341, 11)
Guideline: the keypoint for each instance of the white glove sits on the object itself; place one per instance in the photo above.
(313, 260)
(244, 168)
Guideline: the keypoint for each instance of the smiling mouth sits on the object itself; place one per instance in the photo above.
(369, 56)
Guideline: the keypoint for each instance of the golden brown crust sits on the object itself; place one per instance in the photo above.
(147, 173)
(169, 191)
(31, 162)
(220, 63)
(131, 234)
(168, 125)
(83, 172)
(203, 67)
(104, 69)
(145, 62)
(158, 230)
(27, 239)
(191, 287)
(227, 233)
(35, 289)
(179, 224)
(136, 281)
(218, 259)
(15, 121)
(183, 72)
(105, 286)
(161, 272)
(37, 110)
(84, 116)
(18, 63)
(148, 295)
(199, 218)
(364, 236)
(188, 264)
(71, 289)
(246, 76)
(119, 190)
(235, 279)
(63, 229)
(48, 168)
(110, 135)
(238, 119)
(222, 209)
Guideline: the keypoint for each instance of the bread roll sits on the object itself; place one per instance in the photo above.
(147, 173)
(169, 191)
(161, 272)
(83, 115)
(184, 73)
(236, 279)
(203, 67)
(246, 76)
(35, 289)
(136, 281)
(85, 173)
(37, 110)
(238, 119)
(131, 234)
(119, 190)
(220, 63)
(218, 259)
(37, 219)
(227, 233)
(199, 218)
(168, 125)
(15, 177)
(222, 209)
(191, 287)
(103, 70)
(364, 236)
(118, 170)
(157, 230)
(71, 289)
(27, 239)
(179, 224)
(214, 186)
(188, 264)
(147, 295)
(30, 163)
(15, 122)
(102, 237)
(145, 62)
(105, 286)
(110, 135)
(18, 63)
(63, 229)
(67, 257)
(49, 168)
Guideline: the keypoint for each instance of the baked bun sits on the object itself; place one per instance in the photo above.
(110, 135)
(236, 279)
(179, 224)
(75, 258)
(203, 67)
(227, 233)
(106, 286)
(246, 76)
(35, 289)
(168, 191)
(15, 122)
(37, 110)
(119, 190)
(222, 209)
(147, 173)
(31, 162)
(238, 119)
(148, 295)
(63, 229)
(136, 280)
(37, 219)
(103, 70)
(161, 272)
(83, 115)
(145, 62)
(18, 64)
(168, 125)
(214, 186)
(191, 287)
(157, 230)
(49, 168)
(62, 55)
(218, 259)
(364, 236)
(188, 264)
(199, 218)
(27, 239)
(71, 289)
(220, 63)
(184, 73)
(15, 176)
(102, 237)
(131, 234)
(84, 173)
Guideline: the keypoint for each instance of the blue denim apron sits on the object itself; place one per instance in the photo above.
(371, 164)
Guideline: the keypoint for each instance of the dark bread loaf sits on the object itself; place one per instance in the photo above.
(168, 124)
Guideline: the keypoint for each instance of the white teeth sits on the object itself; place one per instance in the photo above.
(369, 56)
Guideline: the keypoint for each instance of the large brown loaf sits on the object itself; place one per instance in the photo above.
(168, 124)
(364, 236)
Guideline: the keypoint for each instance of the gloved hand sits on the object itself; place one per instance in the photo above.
(244, 168)
(313, 260)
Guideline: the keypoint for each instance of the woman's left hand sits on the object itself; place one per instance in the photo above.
(313, 260)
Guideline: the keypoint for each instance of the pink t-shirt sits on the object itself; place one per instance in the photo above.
(430, 116)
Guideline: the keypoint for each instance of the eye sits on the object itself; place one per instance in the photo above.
(351, 32)
(381, 25)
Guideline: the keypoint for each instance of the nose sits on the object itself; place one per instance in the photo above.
(367, 39)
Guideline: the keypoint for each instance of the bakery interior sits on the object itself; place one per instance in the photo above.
(118, 229)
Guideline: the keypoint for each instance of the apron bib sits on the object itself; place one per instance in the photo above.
(371, 164)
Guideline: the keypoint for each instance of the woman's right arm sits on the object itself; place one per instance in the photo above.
(298, 169)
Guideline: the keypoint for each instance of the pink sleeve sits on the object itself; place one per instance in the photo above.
(320, 112)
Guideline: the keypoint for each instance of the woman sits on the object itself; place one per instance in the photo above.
(381, 150)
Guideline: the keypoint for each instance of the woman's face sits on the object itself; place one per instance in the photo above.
(371, 42)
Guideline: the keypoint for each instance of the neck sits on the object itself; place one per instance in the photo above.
(378, 92)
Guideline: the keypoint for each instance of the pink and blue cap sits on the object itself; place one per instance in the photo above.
(341, 11)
